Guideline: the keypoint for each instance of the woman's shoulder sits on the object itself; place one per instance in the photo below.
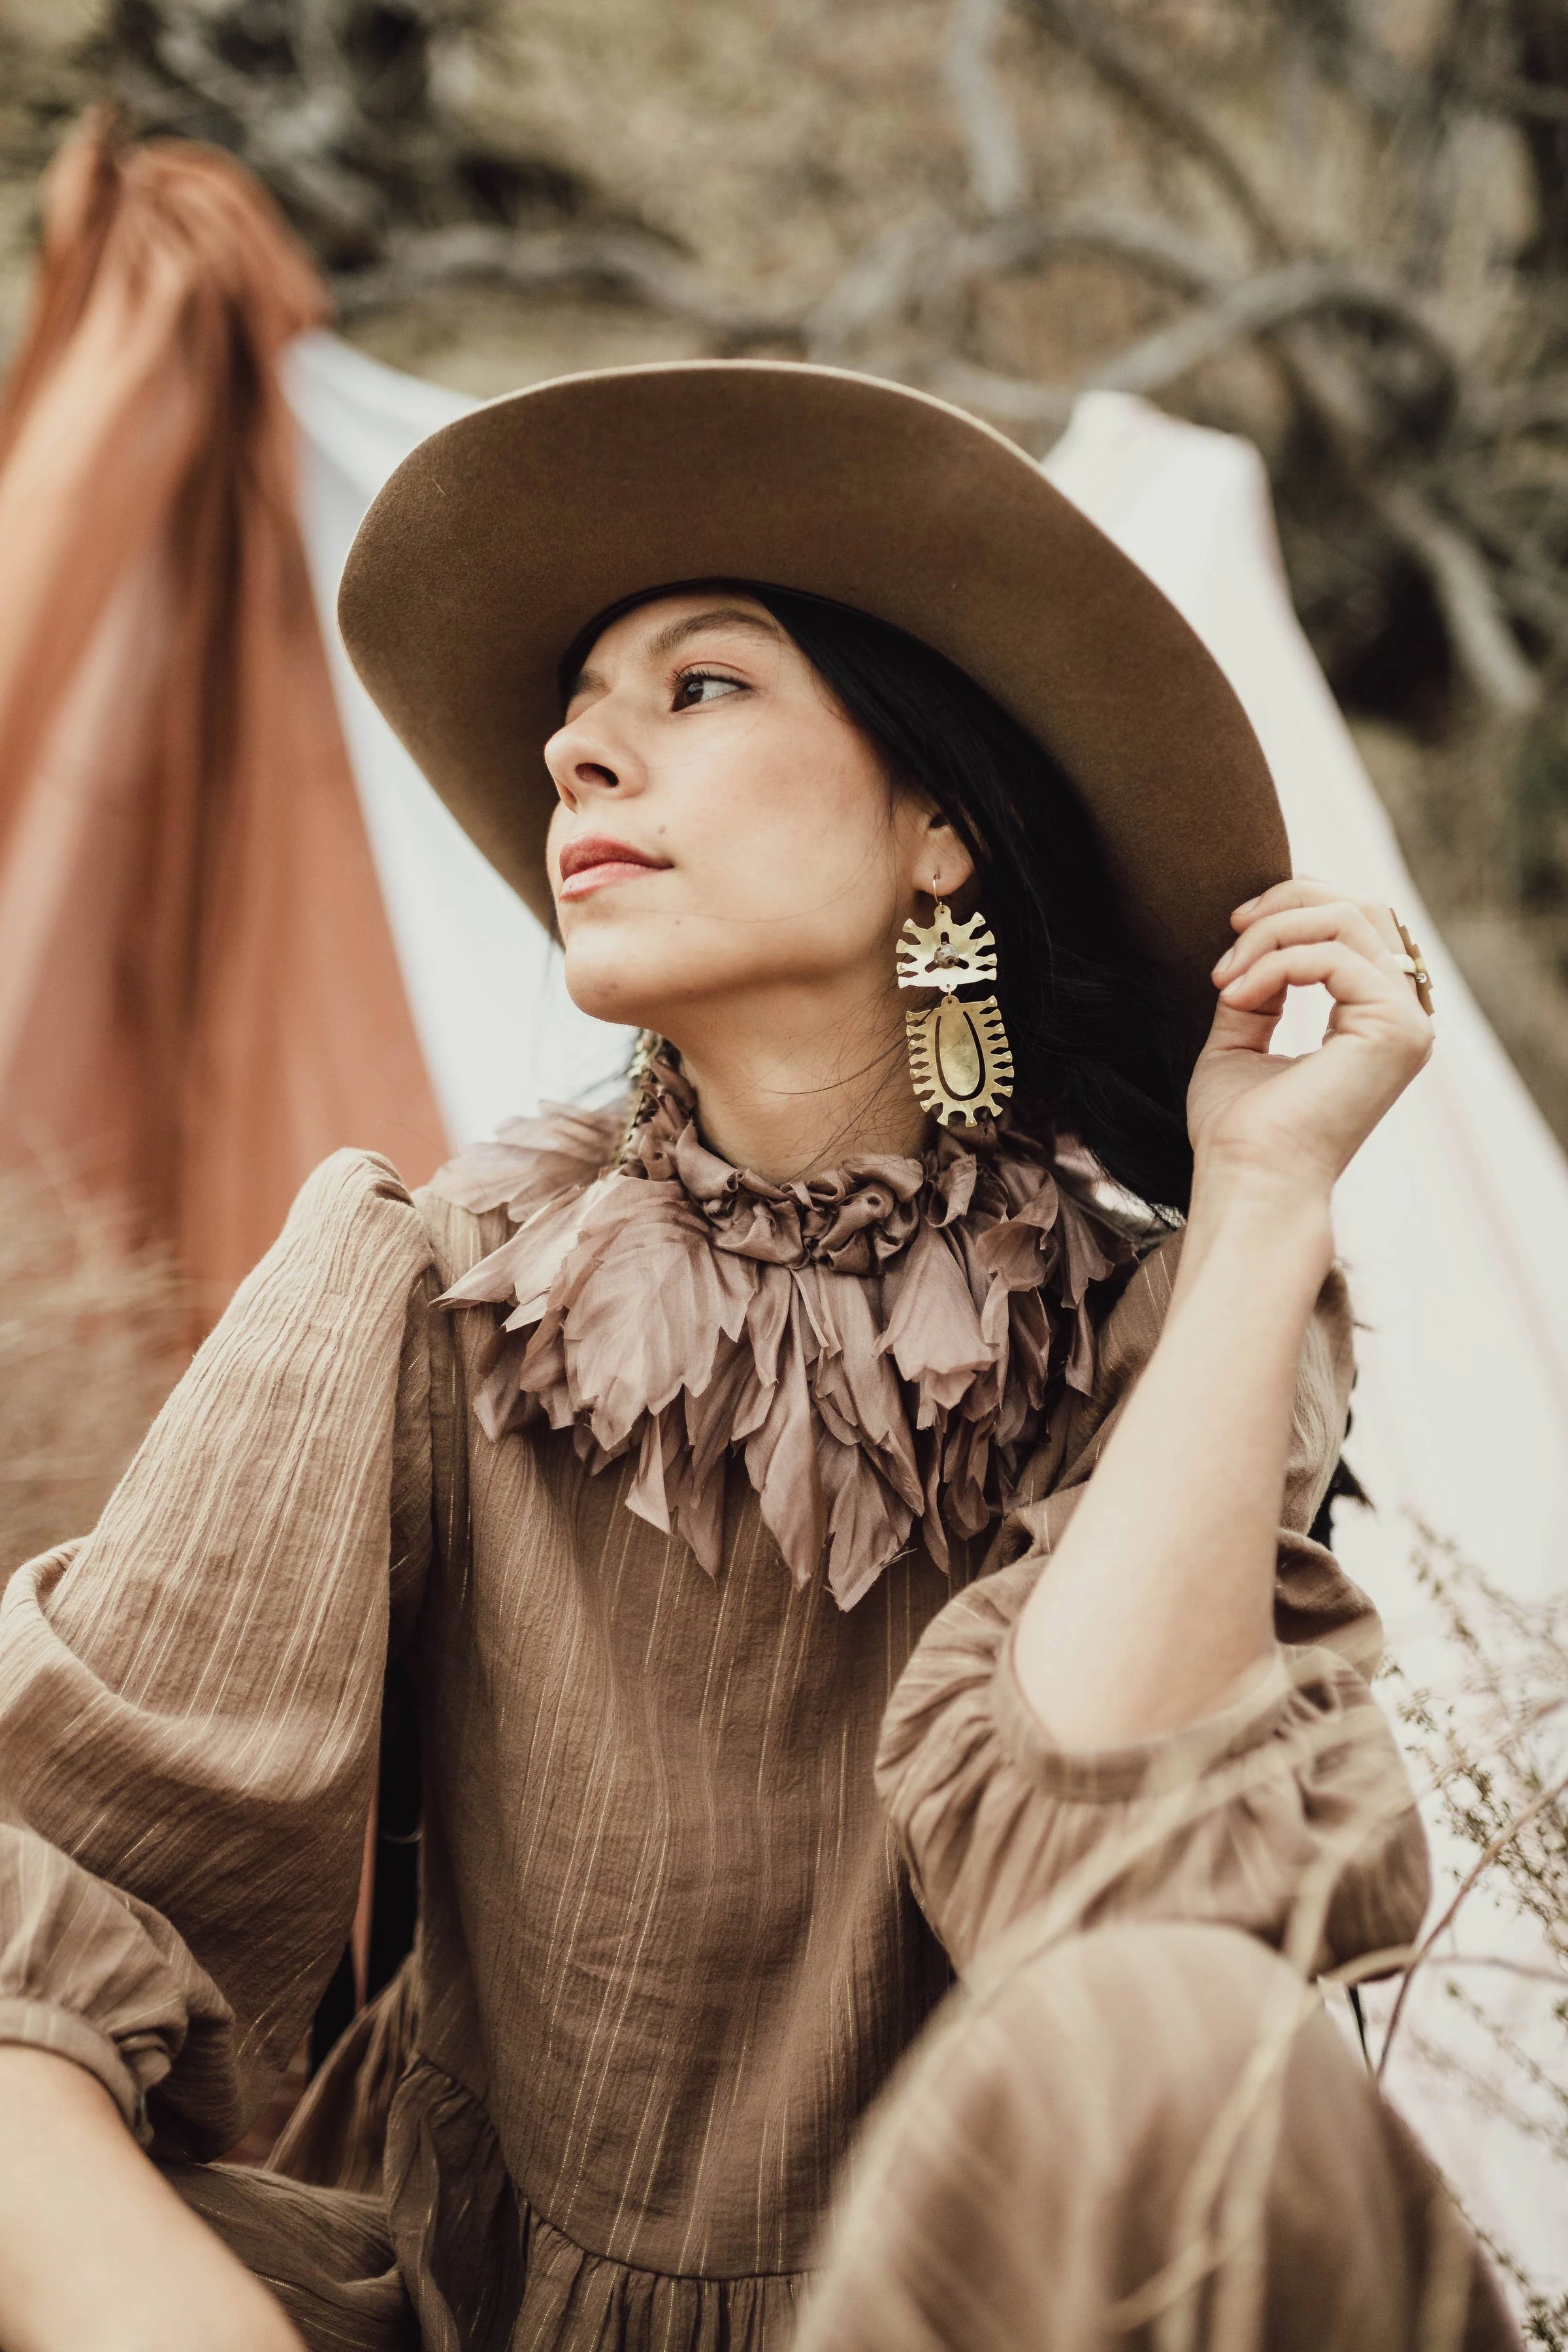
(352, 1213)
(350, 1251)
(344, 1186)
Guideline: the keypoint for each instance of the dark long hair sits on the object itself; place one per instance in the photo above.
(1081, 1006)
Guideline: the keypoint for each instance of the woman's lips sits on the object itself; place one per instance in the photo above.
(596, 861)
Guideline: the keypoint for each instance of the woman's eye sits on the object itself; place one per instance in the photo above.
(703, 686)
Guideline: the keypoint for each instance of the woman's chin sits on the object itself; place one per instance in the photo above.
(607, 990)
(642, 981)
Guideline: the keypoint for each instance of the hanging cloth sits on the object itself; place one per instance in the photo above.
(199, 994)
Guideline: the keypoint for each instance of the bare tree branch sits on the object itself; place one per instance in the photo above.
(628, 260)
(1157, 248)
(1525, 1969)
(929, 256)
(1082, 25)
(1041, 407)
(1484, 645)
(880, 281)
(1260, 305)
(998, 175)
(1498, 94)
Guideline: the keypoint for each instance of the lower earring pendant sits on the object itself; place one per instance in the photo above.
(961, 1063)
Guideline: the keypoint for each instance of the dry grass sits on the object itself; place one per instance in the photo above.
(90, 1342)
(1483, 2012)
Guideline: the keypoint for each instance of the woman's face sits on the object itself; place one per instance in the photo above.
(725, 836)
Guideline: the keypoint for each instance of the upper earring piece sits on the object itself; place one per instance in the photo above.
(947, 955)
(961, 1063)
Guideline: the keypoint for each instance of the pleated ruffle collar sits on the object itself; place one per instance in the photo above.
(878, 1345)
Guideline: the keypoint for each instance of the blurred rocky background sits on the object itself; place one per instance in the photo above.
(1338, 226)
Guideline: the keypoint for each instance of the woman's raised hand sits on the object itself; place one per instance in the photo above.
(1161, 1594)
(1298, 1122)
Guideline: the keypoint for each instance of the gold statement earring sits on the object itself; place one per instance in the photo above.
(639, 1077)
(960, 1060)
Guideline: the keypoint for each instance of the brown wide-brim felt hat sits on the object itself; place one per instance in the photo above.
(501, 538)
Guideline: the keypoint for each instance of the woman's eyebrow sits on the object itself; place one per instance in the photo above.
(677, 633)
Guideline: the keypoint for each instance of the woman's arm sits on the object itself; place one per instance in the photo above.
(101, 2255)
(189, 1702)
(1160, 1595)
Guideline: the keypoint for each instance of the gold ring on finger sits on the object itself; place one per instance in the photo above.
(1413, 964)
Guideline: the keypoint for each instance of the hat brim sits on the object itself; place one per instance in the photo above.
(498, 539)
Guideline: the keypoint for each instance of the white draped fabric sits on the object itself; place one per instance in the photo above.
(484, 982)
(1453, 1220)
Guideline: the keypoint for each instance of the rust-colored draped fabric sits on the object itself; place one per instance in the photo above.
(199, 994)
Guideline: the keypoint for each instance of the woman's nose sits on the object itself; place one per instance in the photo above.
(580, 764)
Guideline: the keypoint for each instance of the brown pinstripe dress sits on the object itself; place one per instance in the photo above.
(665, 1526)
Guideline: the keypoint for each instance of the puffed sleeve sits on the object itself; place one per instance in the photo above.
(189, 1698)
(1288, 1814)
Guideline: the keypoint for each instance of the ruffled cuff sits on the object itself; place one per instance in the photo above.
(89, 1972)
(1136, 1766)
(1285, 1813)
(43, 2025)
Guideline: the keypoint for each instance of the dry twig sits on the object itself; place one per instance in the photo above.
(1466, 1886)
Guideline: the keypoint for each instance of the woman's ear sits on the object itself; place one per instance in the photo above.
(944, 864)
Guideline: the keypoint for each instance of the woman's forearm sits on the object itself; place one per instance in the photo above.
(97, 2251)
(1161, 1594)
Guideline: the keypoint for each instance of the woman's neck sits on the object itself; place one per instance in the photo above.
(784, 1104)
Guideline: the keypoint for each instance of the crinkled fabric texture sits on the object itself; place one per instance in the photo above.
(1068, 2136)
(1288, 1813)
(669, 1951)
(877, 1343)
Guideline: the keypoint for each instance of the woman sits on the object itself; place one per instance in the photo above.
(718, 1442)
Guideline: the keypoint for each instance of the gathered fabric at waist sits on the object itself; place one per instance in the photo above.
(449, 2258)
(487, 2272)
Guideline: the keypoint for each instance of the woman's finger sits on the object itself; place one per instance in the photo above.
(1341, 918)
(1353, 981)
(1308, 891)
(1244, 1028)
